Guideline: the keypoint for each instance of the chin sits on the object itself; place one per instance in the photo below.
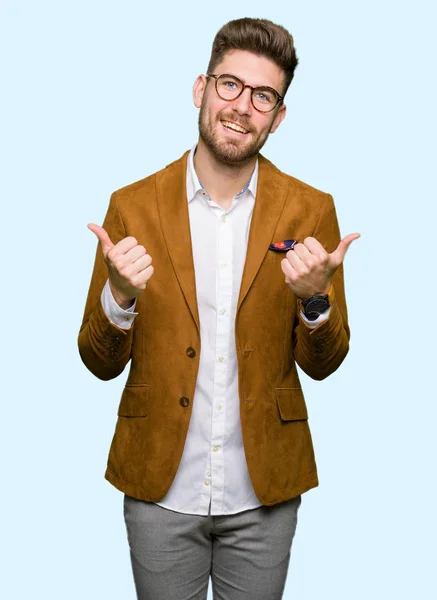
(229, 151)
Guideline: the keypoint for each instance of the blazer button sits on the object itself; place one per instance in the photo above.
(184, 401)
(191, 352)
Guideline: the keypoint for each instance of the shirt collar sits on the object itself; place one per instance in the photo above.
(194, 185)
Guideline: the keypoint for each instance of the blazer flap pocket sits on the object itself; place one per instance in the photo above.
(133, 401)
(291, 404)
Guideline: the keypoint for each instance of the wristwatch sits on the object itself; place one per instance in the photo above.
(316, 305)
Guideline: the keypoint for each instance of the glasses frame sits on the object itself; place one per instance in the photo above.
(245, 85)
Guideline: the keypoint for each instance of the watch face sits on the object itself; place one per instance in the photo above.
(318, 305)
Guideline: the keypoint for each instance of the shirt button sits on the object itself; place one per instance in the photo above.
(206, 482)
(219, 406)
(224, 219)
(223, 311)
(221, 359)
(215, 448)
(208, 474)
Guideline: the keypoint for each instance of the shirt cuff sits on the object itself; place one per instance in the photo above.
(312, 324)
(117, 315)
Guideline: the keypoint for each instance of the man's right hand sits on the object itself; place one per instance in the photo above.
(130, 267)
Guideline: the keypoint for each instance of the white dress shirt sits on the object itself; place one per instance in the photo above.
(212, 477)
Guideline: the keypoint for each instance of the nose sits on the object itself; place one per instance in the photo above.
(243, 104)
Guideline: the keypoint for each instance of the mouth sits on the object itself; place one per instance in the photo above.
(234, 128)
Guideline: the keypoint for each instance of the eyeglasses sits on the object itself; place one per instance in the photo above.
(228, 87)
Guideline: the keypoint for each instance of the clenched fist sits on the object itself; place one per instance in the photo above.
(130, 267)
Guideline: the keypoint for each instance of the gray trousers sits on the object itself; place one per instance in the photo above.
(246, 554)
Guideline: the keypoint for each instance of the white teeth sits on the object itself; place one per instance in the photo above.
(234, 127)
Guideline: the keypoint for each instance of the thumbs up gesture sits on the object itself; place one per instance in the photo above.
(129, 266)
(308, 268)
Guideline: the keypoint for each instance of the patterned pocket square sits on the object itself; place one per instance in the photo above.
(284, 246)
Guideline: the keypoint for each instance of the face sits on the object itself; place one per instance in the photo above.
(230, 146)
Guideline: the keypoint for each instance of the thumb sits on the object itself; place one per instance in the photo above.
(105, 240)
(337, 257)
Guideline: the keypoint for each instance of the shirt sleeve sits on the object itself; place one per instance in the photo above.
(117, 315)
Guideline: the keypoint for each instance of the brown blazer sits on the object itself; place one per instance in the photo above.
(164, 342)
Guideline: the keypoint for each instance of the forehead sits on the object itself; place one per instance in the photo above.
(252, 69)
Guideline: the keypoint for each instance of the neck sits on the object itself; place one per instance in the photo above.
(221, 180)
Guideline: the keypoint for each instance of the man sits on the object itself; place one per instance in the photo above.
(212, 447)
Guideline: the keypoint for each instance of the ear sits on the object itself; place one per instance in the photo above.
(198, 90)
(280, 116)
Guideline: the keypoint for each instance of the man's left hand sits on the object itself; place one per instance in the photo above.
(308, 268)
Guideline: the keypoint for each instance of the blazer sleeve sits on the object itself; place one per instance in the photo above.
(321, 350)
(104, 348)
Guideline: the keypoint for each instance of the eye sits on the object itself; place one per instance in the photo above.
(264, 96)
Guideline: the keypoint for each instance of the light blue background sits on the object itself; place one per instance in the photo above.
(78, 122)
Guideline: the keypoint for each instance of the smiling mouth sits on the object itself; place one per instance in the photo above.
(234, 127)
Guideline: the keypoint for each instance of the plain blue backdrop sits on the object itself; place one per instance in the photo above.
(96, 95)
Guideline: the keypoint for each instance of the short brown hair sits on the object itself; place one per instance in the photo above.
(260, 36)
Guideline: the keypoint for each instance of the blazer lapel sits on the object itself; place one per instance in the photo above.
(270, 199)
(171, 191)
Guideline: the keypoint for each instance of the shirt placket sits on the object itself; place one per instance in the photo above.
(223, 312)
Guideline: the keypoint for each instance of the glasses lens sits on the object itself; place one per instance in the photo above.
(228, 87)
(264, 99)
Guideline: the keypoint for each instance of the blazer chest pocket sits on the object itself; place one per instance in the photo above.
(134, 400)
(274, 259)
(291, 404)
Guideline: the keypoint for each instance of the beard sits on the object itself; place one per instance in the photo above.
(230, 150)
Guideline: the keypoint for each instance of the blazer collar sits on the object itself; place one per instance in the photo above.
(172, 204)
